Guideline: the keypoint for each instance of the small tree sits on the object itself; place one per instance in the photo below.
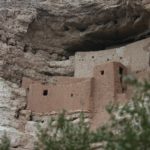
(65, 136)
(5, 143)
(129, 126)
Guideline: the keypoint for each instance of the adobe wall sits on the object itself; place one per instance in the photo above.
(107, 86)
(135, 57)
(73, 96)
(26, 82)
(103, 92)
(68, 80)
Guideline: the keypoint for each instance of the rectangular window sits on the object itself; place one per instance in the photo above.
(121, 73)
(120, 70)
(102, 72)
(45, 92)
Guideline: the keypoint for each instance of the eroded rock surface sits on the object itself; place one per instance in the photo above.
(34, 33)
(12, 101)
(38, 39)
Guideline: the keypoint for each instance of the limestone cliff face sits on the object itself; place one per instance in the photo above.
(38, 39)
(12, 101)
(34, 33)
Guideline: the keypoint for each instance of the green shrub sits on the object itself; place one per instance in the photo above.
(128, 128)
(65, 136)
(5, 143)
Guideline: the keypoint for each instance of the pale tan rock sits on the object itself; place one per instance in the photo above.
(31, 128)
(37, 39)
(25, 114)
(96, 146)
(33, 33)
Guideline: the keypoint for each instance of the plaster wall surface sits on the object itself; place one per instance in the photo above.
(135, 57)
(26, 82)
(107, 86)
(73, 96)
(69, 80)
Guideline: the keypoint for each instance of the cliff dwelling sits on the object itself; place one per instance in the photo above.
(92, 88)
(68, 54)
(86, 94)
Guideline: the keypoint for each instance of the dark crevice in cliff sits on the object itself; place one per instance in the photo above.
(98, 46)
(51, 74)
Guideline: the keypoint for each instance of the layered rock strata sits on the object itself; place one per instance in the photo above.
(35, 33)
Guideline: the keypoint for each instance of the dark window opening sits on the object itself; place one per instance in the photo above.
(107, 59)
(149, 59)
(102, 72)
(66, 28)
(121, 72)
(93, 57)
(45, 92)
(124, 89)
(71, 95)
(25, 49)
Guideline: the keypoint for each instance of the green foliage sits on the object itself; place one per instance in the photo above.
(65, 136)
(129, 127)
(5, 143)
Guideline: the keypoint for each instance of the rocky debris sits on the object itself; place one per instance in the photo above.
(31, 128)
(25, 115)
(71, 116)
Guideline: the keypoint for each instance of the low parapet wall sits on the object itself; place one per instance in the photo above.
(69, 80)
